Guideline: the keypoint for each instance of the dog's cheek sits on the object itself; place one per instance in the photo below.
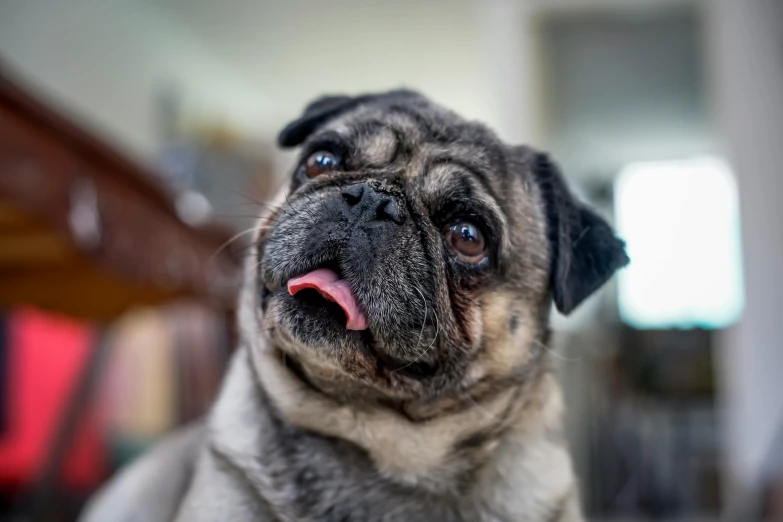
(507, 337)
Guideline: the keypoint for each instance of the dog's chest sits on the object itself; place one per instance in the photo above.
(311, 478)
(303, 476)
(300, 476)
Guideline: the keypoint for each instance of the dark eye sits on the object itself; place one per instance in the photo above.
(319, 163)
(466, 241)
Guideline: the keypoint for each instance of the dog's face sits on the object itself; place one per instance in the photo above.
(415, 256)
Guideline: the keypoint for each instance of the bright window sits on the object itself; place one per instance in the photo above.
(681, 223)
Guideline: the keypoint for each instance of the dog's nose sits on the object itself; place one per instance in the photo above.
(363, 199)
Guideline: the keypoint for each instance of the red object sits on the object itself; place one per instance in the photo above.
(46, 354)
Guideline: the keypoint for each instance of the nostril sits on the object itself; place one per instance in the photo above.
(353, 194)
(374, 205)
(380, 210)
(390, 209)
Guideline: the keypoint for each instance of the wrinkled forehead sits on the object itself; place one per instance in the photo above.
(422, 144)
(379, 134)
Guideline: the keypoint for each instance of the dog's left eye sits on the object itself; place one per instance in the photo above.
(319, 163)
(466, 241)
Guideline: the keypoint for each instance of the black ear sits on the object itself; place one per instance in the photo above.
(585, 251)
(315, 115)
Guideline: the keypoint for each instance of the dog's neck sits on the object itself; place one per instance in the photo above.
(434, 453)
(460, 460)
(343, 390)
(490, 445)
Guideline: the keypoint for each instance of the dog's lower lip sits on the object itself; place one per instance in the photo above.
(415, 369)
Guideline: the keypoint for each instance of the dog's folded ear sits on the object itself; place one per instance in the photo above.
(316, 114)
(585, 251)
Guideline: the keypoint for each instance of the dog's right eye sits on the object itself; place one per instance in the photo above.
(466, 241)
(319, 163)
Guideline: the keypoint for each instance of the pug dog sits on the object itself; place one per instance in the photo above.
(394, 363)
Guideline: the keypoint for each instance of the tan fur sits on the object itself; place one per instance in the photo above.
(529, 455)
(378, 149)
(312, 424)
(438, 179)
(505, 350)
(419, 453)
(525, 468)
(413, 452)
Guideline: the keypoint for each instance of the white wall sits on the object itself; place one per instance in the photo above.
(746, 43)
(258, 62)
(299, 49)
(106, 60)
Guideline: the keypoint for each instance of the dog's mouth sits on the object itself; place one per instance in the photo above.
(324, 289)
(324, 292)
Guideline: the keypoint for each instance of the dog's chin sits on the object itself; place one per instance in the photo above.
(311, 333)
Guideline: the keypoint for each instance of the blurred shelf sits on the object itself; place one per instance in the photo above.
(86, 232)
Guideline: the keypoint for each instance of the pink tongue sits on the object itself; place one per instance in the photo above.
(331, 287)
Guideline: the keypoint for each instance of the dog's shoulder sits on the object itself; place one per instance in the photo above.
(152, 488)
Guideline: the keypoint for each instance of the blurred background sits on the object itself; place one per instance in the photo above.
(137, 145)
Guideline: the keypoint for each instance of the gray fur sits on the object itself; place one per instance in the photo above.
(446, 407)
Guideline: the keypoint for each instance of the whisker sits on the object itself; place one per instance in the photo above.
(494, 417)
(435, 338)
(424, 322)
(228, 242)
(290, 206)
(250, 199)
(553, 352)
(255, 216)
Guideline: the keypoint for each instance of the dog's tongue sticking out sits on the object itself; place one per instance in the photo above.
(331, 287)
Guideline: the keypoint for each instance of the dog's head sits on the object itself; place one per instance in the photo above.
(415, 255)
